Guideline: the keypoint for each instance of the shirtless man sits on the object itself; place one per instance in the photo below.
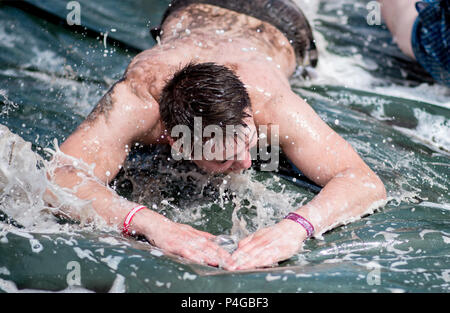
(216, 62)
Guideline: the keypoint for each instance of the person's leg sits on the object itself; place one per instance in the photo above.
(400, 16)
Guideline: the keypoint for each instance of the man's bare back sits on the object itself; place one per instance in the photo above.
(262, 58)
(256, 51)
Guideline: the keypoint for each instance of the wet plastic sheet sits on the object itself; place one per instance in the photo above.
(126, 21)
(51, 77)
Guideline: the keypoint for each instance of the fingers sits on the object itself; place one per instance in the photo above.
(257, 250)
(191, 255)
(199, 257)
(210, 256)
(241, 259)
(245, 241)
(253, 243)
(201, 250)
(242, 255)
(259, 256)
(261, 249)
(190, 243)
(205, 234)
(215, 255)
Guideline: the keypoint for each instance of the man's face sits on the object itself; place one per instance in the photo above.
(234, 154)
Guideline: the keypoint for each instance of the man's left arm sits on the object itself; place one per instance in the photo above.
(350, 188)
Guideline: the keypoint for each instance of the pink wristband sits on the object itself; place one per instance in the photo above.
(302, 221)
(129, 218)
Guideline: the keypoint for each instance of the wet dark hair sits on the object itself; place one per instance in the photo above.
(207, 90)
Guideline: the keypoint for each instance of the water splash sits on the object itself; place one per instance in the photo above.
(22, 180)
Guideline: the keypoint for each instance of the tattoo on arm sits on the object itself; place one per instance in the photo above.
(104, 106)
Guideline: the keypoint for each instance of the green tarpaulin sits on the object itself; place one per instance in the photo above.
(52, 75)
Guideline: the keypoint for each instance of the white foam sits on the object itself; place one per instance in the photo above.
(270, 277)
(442, 206)
(8, 286)
(84, 254)
(270, 206)
(8, 105)
(4, 271)
(156, 253)
(78, 95)
(391, 242)
(432, 130)
(446, 275)
(396, 290)
(112, 261)
(22, 181)
(36, 246)
(434, 94)
(9, 39)
(11, 287)
(187, 276)
(427, 231)
(111, 241)
(46, 60)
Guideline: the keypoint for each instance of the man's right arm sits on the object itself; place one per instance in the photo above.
(104, 139)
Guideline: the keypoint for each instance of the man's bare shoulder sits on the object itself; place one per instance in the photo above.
(149, 71)
(266, 87)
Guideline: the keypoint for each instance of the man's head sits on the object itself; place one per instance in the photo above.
(216, 95)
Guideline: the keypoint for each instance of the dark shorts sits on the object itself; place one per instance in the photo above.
(431, 38)
(283, 14)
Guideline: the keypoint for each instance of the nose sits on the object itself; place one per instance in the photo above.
(243, 164)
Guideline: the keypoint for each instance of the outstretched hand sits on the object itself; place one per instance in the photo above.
(261, 249)
(190, 243)
(267, 246)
